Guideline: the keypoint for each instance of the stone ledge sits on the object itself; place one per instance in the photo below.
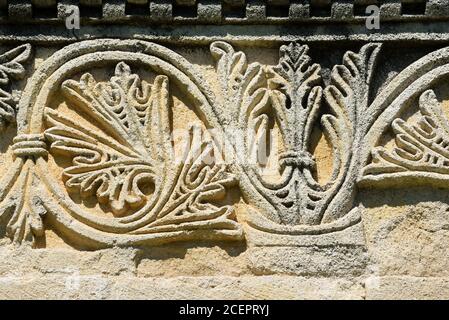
(407, 288)
(227, 288)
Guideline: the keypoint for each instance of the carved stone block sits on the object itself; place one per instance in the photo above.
(271, 152)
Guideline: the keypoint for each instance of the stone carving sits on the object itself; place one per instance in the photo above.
(95, 156)
(122, 153)
(223, 11)
(21, 207)
(290, 93)
(418, 154)
(137, 149)
(421, 147)
(11, 66)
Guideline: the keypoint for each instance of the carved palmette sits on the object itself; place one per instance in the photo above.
(119, 149)
(120, 183)
(290, 94)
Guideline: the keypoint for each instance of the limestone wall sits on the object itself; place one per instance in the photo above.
(224, 150)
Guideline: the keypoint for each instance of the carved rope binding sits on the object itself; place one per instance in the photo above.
(30, 145)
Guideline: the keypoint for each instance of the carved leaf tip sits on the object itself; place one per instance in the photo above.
(23, 210)
(11, 66)
(11, 63)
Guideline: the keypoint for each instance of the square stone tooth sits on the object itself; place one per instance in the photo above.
(299, 11)
(437, 8)
(66, 7)
(113, 9)
(342, 10)
(20, 9)
(209, 11)
(161, 10)
(256, 10)
(390, 9)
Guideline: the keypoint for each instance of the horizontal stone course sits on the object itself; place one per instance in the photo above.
(222, 11)
(100, 287)
(351, 201)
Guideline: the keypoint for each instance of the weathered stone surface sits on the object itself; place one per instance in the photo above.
(405, 238)
(91, 287)
(23, 262)
(408, 288)
(224, 150)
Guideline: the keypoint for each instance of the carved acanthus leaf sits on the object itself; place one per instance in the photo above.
(11, 66)
(22, 208)
(244, 87)
(419, 147)
(346, 126)
(101, 166)
(114, 166)
(296, 99)
(122, 153)
(201, 184)
(231, 68)
(133, 112)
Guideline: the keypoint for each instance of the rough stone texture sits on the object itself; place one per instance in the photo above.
(134, 163)
(408, 288)
(92, 287)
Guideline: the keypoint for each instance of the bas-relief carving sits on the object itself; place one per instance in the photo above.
(296, 203)
(420, 148)
(132, 148)
(11, 67)
(110, 138)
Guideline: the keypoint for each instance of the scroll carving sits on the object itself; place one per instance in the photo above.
(95, 156)
(137, 150)
(417, 155)
(418, 147)
(121, 152)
